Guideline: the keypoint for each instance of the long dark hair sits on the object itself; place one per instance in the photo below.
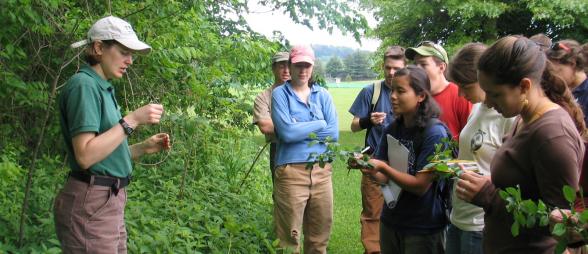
(420, 83)
(512, 58)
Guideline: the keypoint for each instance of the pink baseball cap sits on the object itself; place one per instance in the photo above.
(302, 53)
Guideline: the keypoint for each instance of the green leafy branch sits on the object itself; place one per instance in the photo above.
(334, 151)
(529, 214)
(442, 162)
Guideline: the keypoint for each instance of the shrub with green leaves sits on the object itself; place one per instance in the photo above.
(333, 151)
(528, 214)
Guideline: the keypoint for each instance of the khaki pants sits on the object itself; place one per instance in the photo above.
(90, 218)
(372, 203)
(303, 198)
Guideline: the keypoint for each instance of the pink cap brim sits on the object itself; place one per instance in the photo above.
(306, 59)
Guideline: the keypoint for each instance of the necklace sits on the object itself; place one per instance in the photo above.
(540, 113)
(534, 117)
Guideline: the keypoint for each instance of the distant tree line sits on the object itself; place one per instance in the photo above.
(355, 66)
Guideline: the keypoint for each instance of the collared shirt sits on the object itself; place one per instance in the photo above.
(294, 120)
(87, 104)
(262, 108)
(361, 108)
(581, 95)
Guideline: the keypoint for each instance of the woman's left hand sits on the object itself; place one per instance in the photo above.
(156, 143)
(469, 185)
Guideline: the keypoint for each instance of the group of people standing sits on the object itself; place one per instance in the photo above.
(515, 108)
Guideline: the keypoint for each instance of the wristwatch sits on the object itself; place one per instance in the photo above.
(128, 130)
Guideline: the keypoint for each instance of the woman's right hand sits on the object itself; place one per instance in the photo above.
(148, 114)
(556, 217)
(469, 185)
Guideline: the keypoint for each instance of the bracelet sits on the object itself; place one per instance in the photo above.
(365, 122)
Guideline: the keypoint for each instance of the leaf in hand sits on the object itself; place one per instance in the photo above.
(559, 229)
(514, 229)
(569, 193)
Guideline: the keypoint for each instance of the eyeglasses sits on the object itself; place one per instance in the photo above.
(558, 45)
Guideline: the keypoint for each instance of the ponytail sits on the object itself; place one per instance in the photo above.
(556, 90)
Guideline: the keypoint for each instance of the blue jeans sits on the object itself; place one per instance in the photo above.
(463, 242)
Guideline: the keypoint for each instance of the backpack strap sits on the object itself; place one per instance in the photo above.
(375, 99)
(376, 95)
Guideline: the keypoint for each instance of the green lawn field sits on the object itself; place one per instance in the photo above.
(345, 237)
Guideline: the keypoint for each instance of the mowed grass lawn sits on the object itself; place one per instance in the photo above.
(345, 237)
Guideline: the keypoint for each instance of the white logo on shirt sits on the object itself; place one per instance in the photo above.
(477, 141)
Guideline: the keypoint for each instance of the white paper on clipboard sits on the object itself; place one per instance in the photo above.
(397, 159)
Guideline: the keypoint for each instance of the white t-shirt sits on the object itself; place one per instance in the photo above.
(478, 141)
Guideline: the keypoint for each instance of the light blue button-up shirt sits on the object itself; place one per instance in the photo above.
(294, 120)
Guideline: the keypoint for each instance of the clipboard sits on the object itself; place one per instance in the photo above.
(397, 159)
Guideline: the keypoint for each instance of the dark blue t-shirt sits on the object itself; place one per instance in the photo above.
(581, 95)
(415, 214)
(361, 108)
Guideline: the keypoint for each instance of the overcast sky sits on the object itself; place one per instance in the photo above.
(264, 22)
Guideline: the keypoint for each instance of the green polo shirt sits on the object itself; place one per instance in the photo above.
(87, 104)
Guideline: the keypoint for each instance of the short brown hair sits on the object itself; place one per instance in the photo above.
(90, 55)
(543, 40)
(395, 53)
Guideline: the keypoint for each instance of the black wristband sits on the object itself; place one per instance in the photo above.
(365, 122)
(576, 244)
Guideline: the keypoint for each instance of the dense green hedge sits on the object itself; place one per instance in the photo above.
(204, 69)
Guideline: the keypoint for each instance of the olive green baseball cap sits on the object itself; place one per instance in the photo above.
(427, 48)
(280, 57)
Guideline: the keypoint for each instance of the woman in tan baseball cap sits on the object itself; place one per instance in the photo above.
(89, 210)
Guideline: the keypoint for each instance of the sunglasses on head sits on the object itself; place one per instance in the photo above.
(562, 46)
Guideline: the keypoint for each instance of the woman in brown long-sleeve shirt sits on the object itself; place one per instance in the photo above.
(542, 153)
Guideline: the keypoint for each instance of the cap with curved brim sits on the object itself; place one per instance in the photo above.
(113, 28)
(425, 51)
(280, 57)
(306, 59)
(135, 45)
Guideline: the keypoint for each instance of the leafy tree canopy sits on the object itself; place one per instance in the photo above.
(455, 22)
